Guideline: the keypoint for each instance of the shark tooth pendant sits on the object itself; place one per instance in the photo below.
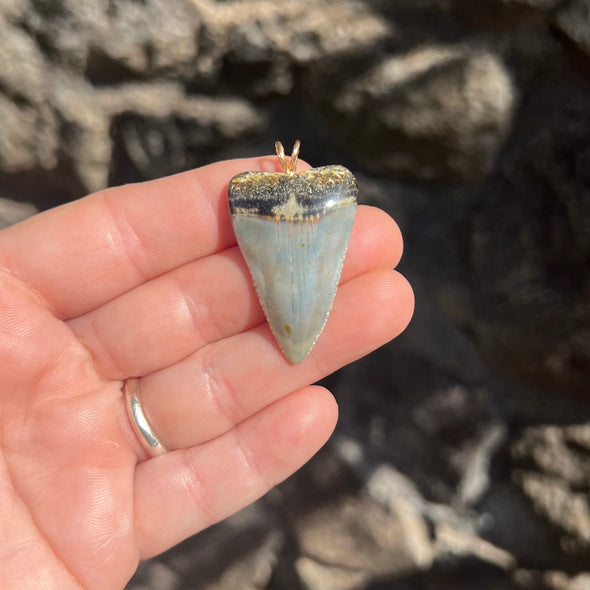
(293, 230)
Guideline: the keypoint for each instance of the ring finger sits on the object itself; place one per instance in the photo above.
(226, 382)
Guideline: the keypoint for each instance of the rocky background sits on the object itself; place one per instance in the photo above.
(462, 456)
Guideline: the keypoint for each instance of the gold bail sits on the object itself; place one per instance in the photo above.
(291, 166)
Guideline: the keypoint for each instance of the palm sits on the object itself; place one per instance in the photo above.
(146, 281)
(67, 470)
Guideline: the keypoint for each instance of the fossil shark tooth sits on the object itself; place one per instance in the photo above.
(293, 230)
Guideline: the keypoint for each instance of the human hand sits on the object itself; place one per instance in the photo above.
(146, 281)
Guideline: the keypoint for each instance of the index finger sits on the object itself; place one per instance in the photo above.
(85, 253)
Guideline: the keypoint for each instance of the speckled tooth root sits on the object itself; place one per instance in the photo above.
(293, 229)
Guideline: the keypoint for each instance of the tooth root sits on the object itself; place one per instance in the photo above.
(293, 231)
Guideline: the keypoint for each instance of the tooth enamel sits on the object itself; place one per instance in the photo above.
(293, 231)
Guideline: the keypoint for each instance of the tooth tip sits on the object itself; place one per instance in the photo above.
(295, 359)
(295, 353)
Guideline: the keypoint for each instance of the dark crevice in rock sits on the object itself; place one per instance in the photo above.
(104, 70)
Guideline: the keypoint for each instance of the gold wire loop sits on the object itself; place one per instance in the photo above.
(289, 167)
(281, 155)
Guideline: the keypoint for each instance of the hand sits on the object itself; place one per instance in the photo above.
(146, 281)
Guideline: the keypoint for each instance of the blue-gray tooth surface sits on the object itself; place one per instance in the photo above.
(293, 231)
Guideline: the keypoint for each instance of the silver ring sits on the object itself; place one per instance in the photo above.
(139, 421)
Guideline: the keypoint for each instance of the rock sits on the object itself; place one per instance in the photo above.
(156, 37)
(258, 44)
(12, 212)
(347, 543)
(552, 469)
(165, 131)
(240, 553)
(28, 137)
(157, 130)
(13, 10)
(109, 41)
(539, 4)
(559, 451)
(85, 128)
(435, 112)
(573, 18)
(254, 570)
(475, 460)
(510, 523)
(23, 71)
(561, 506)
(398, 494)
(437, 430)
(65, 28)
(315, 575)
(28, 134)
(561, 581)
(538, 205)
(155, 574)
(457, 542)
(305, 31)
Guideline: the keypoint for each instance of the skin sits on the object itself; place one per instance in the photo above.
(146, 281)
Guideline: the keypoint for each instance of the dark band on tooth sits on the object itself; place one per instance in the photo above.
(315, 192)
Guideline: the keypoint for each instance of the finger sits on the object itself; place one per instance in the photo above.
(185, 491)
(171, 316)
(223, 384)
(82, 254)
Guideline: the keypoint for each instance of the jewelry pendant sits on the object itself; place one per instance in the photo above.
(293, 230)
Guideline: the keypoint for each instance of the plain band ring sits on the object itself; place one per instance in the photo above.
(139, 421)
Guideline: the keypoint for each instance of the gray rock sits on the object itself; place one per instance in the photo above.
(157, 127)
(29, 130)
(28, 137)
(84, 132)
(156, 37)
(109, 41)
(552, 469)
(23, 70)
(254, 570)
(12, 212)
(456, 542)
(563, 508)
(65, 27)
(561, 581)
(573, 18)
(256, 31)
(155, 574)
(539, 4)
(435, 423)
(559, 451)
(538, 206)
(260, 44)
(13, 10)
(438, 111)
(166, 131)
(346, 544)
(241, 552)
(510, 522)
